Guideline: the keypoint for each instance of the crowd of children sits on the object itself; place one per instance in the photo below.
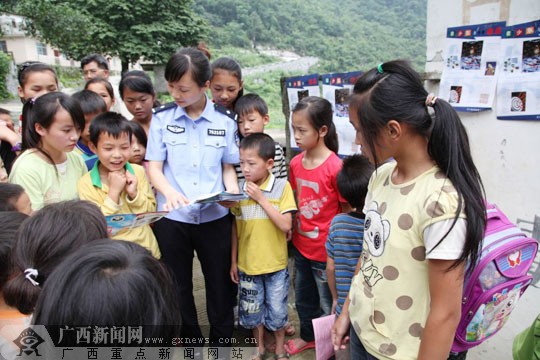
(421, 209)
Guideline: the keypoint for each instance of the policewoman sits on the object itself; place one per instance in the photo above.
(192, 146)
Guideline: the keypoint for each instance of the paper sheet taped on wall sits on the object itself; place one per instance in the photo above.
(471, 66)
(518, 94)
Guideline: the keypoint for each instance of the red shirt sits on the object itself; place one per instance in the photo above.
(318, 202)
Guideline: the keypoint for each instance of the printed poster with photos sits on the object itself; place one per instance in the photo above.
(336, 88)
(299, 87)
(518, 89)
(471, 68)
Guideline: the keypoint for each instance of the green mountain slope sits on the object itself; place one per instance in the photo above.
(344, 34)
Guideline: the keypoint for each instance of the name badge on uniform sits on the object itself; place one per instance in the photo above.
(216, 132)
(175, 129)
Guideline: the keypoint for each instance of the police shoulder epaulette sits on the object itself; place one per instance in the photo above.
(222, 109)
(163, 107)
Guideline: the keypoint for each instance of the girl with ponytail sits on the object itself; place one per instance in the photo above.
(313, 176)
(425, 218)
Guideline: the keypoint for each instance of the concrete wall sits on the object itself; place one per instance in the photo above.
(506, 152)
(24, 48)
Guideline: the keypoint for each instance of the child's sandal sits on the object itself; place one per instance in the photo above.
(281, 356)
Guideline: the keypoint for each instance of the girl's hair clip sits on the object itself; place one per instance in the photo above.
(31, 275)
(430, 100)
(379, 68)
(33, 100)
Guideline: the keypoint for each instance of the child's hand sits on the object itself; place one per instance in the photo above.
(174, 200)
(340, 331)
(334, 305)
(234, 274)
(8, 134)
(254, 191)
(117, 182)
(131, 185)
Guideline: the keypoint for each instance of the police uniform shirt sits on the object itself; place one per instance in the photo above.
(192, 151)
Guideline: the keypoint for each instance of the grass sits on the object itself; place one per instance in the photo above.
(246, 58)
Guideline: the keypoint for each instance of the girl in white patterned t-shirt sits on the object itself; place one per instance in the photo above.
(425, 217)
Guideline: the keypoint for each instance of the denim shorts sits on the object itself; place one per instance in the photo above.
(263, 300)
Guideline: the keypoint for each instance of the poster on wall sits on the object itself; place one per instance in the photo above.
(518, 90)
(336, 88)
(471, 66)
(299, 87)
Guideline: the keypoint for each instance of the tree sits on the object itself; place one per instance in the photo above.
(128, 29)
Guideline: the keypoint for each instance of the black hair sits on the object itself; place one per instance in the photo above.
(10, 221)
(29, 67)
(188, 60)
(100, 60)
(265, 145)
(319, 112)
(110, 123)
(138, 132)
(249, 103)
(100, 80)
(397, 93)
(90, 102)
(137, 81)
(233, 67)
(111, 283)
(42, 111)
(44, 240)
(9, 195)
(353, 179)
(5, 111)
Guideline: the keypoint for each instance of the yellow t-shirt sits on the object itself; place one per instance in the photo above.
(92, 189)
(262, 246)
(390, 295)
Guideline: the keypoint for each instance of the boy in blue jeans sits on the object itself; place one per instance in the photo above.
(259, 245)
(346, 234)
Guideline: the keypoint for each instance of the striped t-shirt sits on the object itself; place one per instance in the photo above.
(280, 166)
(344, 245)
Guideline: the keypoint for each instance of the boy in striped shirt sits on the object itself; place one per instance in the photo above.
(346, 234)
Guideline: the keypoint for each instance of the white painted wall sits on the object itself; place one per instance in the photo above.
(507, 153)
(24, 48)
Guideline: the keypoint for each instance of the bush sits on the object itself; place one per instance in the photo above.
(69, 77)
(5, 61)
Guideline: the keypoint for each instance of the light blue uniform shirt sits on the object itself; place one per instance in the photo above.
(192, 151)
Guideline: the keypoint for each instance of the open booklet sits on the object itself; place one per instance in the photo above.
(217, 197)
(122, 222)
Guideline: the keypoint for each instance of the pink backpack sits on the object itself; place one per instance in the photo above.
(497, 282)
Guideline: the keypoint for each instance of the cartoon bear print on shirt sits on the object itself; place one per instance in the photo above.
(376, 230)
